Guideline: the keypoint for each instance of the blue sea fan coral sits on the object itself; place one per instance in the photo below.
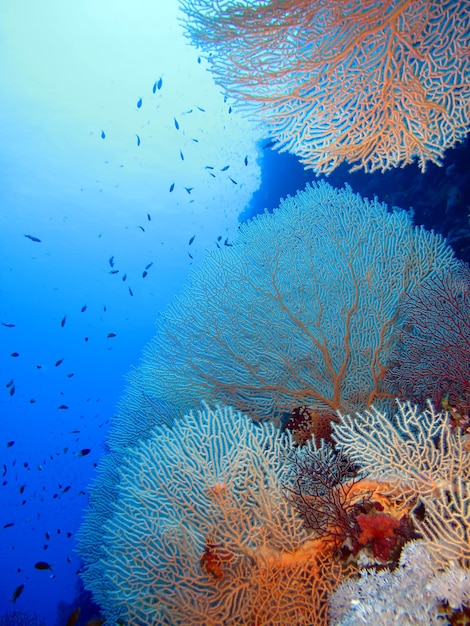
(299, 311)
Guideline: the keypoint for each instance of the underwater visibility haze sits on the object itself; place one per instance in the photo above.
(230, 385)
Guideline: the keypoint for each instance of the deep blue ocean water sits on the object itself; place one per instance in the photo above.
(113, 148)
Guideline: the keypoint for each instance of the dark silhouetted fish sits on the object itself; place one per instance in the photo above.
(191, 240)
(110, 335)
(8, 325)
(138, 139)
(84, 452)
(16, 594)
(131, 292)
(246, 160)
(177, 126)
(149, 217)
(124, 278)
(8, 524)
(189, 189)
(103, 136)
(172, 186)
(139, 103)
(59, 362)
(10, 443)
(233, 181)
(63, 407)
(36, 239)
(83, 309)
(147, 267)
(182, 156)
(144, 273)
(111, 261)
(160, 83)
(42, 565)
(73, 617)
(15, 354)
(63, 320)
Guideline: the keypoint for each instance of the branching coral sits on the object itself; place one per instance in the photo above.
(432, 357)
(201, 533)
(424, 459)
(375, 84)
(299, 311)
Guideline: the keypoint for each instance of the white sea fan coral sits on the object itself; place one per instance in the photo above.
(412, 594)
(424, 459)
(202, 535)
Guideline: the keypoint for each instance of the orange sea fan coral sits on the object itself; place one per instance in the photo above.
(374, 83)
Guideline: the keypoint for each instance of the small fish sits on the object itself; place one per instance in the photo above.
(190, 255)
(246, 160)
(65, 489)
(15, 354)
(201, 109)
(124, 278)
(208, 167)
(182, 156)
(47, 536)
(149, 217)
(111, 261)
(147, 267)
(103, 136)
(226, 243)
(154, 88)
(229, 110)
(160, 83)
(10, 443)
(4, 470)
(32, 400)
(62, 407)
(189, 189)
(144, 274)
(8, 525)
(63, 320)
(7, 324)
(83, 309)
(73, 617)
(213, 175)
(233, 181)
(36, 239)
(199, 59)
(22, 488)
(191, 240)
(270, 144)
(177, 126)
(142, 228)
(131, 292)
(71, 375)
(16, 594)
(114, 272)
(12, 390)
(110, 335)
(172, 186)
(9, 383)
(42, 565)
(139, 103)
(59, 362)
(84, 452)
(138, 139)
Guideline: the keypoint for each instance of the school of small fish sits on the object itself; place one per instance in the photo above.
(9, 469)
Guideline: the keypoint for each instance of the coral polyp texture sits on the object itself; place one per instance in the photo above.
(202, 535)
(299, 311)
(376, 84)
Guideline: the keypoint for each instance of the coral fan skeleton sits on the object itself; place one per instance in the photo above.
(374, 84)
